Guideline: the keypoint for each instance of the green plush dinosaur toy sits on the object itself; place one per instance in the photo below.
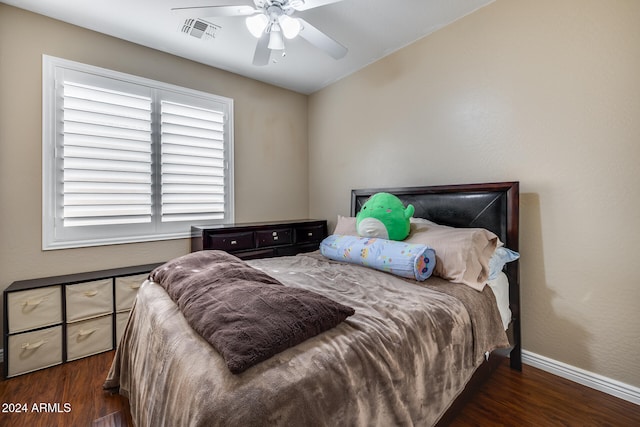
(384, 216)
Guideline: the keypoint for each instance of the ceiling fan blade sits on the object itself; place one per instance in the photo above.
(212, 11)
(301, 5)
(262, 53)
(321, 40)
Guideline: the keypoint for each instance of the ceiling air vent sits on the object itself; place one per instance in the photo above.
(200, 29)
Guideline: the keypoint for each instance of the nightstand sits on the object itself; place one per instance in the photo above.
(260, 239)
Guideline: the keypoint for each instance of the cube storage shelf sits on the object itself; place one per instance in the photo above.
(58, 319)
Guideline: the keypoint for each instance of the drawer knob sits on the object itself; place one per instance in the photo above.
(310, 234)
(135, 286)
(92, 293)
(27, 346)
(234, 242)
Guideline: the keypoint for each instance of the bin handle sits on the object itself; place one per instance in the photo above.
(27, 346)
(34, 302)
(83, 332)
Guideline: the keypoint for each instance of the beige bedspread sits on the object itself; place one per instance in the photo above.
(401, 359)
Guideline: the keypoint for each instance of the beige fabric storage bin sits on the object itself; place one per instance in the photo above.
(89, 337)
(127, 289)
(89, 299)
(35, 350)
(34, 308)
(121, 323)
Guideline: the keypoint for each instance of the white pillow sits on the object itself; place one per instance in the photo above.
(500, 288)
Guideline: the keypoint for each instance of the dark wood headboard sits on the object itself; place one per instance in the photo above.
(494, 206)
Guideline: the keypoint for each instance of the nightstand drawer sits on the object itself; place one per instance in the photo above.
(89, 299)
(274, 237)
(127, 289)
(311, 233)
(230, 241)
(34, 350)
(89, 337)
(34, 308)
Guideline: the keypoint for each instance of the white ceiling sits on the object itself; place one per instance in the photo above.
(370, 29)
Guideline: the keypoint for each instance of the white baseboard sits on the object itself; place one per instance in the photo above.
(580, 376)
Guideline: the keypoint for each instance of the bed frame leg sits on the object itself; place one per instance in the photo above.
(515, 357)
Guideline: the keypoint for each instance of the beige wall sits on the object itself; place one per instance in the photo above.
(546, 92)
(270, 142)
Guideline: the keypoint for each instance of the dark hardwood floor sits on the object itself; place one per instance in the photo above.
(77, 383)
(509, 398)
(536, 398)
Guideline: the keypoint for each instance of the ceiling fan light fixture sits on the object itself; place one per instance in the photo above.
(256, 24)
(290, 26)
(276, 42)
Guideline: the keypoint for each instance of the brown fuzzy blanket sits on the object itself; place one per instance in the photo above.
(400, 360)
(245, 314)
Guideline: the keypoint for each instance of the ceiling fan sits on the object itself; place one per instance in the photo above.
(270, 21)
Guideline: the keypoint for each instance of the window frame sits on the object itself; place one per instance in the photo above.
(54, 235)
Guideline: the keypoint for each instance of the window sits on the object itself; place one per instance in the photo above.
(127, 159)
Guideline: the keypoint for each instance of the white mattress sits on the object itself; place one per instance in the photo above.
(500, 288)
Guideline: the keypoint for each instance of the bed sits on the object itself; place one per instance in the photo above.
(409, 354)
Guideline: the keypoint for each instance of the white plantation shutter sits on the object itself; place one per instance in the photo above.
(193, 163)
(128, 159)
(106, 157)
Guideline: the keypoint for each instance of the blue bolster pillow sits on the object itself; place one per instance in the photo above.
(410, 260)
